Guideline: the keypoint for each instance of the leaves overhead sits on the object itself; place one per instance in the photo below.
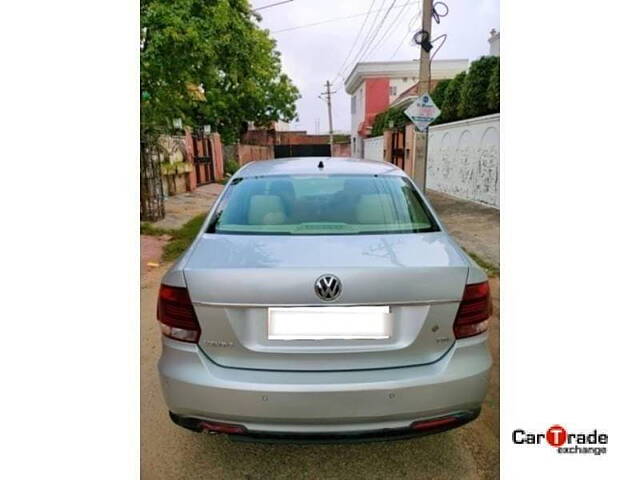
(217, 47)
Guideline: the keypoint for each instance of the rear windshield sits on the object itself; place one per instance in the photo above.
(321, 205)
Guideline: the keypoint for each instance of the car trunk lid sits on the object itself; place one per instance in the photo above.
(233, 280)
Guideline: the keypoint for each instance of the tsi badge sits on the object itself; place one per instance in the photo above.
(218, 343)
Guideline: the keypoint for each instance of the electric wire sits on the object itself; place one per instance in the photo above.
(355, 42)
(439, 10)
(438, 15)
(271, 5)
(407, 35)
(365, 41)
(370, 38)
(444, 39)
(388, 31)
(335, 19)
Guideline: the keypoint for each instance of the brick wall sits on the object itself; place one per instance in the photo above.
(300, 138)
(218, 159)
(341, 150)
(258, 137)
(188, 143)
(215, 146)
(271, 137)
(252, 153)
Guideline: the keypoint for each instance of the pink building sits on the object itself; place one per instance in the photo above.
(373, 86)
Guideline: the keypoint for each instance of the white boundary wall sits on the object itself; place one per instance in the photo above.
(374, 148)
(464, 159)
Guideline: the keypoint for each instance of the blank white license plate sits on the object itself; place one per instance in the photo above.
(329, 323)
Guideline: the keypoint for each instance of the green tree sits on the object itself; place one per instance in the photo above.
(207, 61)
(437, 95)
(383, 119)
(451, 99)
(493, 91)
(473, 96)
(438, 92)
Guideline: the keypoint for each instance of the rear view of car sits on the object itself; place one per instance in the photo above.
(323, 300)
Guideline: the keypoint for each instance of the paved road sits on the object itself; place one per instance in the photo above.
(181, 208)
(475, 227)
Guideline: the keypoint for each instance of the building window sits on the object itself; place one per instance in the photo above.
(393, 91)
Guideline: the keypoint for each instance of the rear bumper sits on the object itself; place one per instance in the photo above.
(359, 436)
(339, 404)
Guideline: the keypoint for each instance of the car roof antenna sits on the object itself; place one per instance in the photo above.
(321, 164)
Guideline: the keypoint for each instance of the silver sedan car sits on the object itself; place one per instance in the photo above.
(323, 300)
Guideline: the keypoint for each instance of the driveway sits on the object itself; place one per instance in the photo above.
(476, 227)
(470, 452)
(179, 209)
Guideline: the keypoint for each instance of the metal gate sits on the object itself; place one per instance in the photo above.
(151, 194)
(203, 159)
(397, 148)
(312, 150)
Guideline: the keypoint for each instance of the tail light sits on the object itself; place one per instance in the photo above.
(218, 427)
(474, 311)
(434, 423)
(176, 314)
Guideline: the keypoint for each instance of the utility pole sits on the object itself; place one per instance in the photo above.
(328, 93)
(424, 81)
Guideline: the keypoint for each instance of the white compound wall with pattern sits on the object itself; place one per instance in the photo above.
(464, 159)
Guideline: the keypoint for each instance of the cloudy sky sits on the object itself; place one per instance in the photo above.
(311, 55)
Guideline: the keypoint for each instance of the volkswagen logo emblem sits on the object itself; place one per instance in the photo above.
(328, 287)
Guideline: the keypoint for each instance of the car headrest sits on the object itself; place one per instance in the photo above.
(375, 208)
(266, 210)
(284, 189)
(359, 186)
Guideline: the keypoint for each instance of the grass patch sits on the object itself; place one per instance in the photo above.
(180, 238)
(488, 267)
(147, 229)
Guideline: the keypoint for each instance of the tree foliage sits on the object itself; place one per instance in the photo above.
(473, 96)
(493, 91)
(452, 98)
(208, 62)
(437, 95)
(467, 95)
(438, 92)
(383, 120)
